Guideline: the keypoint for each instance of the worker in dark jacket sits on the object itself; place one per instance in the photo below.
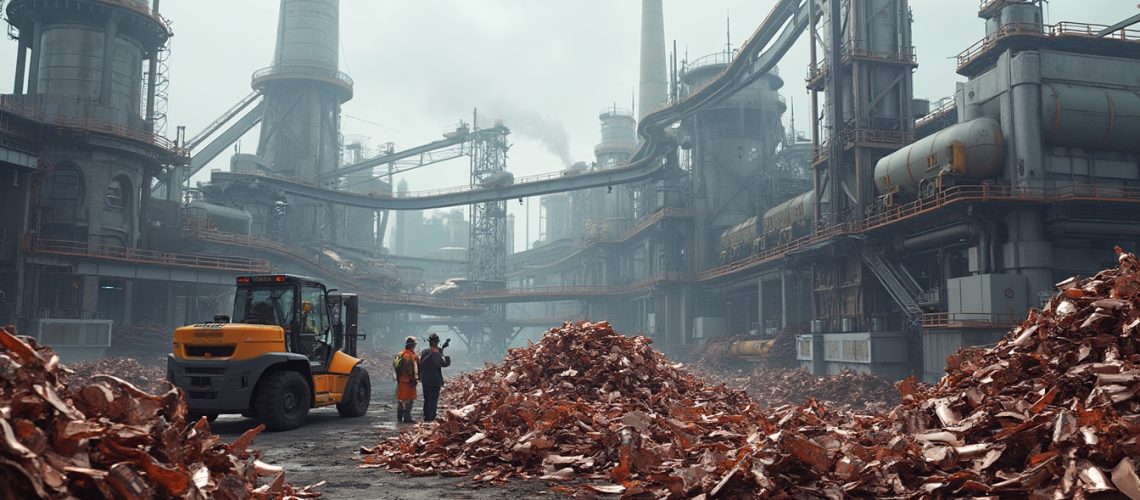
(432, 361)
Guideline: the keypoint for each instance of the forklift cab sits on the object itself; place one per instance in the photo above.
(317, 322)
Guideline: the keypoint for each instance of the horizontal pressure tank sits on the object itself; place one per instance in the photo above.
(797, 211)
(1090, 117)
(750, 349)
(744, 232)
(225, 219)
(968, 150)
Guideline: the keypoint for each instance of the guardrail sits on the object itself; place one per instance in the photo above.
(577, 290)
(1059, 30)
(305, 71)
(140, 256)
(938, 113)
(970, 320)
(8, 104)
(142, 7)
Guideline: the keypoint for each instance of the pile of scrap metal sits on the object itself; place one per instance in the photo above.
(1053, 410)
(148, 376)
(110, 439)
(847, 390)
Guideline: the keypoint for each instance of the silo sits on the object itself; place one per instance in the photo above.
(303, 92)
(733, 141)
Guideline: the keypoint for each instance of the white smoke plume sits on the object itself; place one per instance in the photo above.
(532, 124)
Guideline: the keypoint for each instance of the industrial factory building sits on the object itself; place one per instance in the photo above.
(883, 236)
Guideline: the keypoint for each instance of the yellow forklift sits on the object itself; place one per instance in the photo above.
(291, 346)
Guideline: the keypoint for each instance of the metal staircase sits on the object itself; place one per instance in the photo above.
(899, 283)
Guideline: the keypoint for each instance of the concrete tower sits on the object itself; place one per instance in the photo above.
(303, 92)
(652, 90)
(79, 78)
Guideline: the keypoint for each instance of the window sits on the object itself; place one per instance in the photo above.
(115, 194)
(264, 305)
(315, 322)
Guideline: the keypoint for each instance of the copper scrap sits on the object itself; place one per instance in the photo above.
(107, 438)
(1051, 411)
(148, 376)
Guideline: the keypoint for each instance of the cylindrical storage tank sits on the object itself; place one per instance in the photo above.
(224, 219)
(797, 211)
(71, 65)
(1090, 117)
(885, 27)
(71, 62)
(618, 126)
(972, 150)
(992, 26)
(308, 33)
(1022, 17)
(556, 216)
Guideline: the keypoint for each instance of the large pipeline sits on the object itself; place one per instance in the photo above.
(1089, 228)
(941, 236)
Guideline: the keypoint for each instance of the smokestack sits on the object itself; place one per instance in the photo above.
(651, 92)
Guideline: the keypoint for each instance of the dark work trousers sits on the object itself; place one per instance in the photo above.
(431, 402)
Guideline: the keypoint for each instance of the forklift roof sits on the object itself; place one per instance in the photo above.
(278, 278)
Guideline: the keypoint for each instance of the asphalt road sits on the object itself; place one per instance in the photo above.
(327, 448)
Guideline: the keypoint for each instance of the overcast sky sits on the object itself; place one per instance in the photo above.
(546, 67)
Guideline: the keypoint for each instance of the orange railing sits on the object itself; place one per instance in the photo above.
(848, 52)
(8, 104)
(970, 320)
(140, 256)
(1062, 29)
(576, 290)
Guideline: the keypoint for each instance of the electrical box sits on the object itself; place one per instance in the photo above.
(987, 297)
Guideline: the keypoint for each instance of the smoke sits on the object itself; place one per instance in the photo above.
(548, 131)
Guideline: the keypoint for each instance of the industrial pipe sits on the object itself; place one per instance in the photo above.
(1073, 227)
(940, 236)
(750, 349)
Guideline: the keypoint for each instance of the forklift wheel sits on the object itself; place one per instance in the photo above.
(282, 400)
(357, 394)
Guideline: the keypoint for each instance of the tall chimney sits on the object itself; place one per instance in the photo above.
(651, 91)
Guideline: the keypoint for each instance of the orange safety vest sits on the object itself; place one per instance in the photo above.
(409, 374)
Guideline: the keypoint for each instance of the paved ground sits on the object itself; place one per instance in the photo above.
(326, 449)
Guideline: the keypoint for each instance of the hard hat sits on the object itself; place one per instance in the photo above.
(433, 338)
(410, 341)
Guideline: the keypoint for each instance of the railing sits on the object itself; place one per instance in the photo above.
(1068, 28)
(847, 53)
(970, 320)
(139, 256)
(8, 103)
(938, 113)
(305, 71)
(719, 58)
(1062, 29)
(577, 290)
(143, 7)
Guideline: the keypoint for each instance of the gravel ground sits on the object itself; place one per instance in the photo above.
(327, 447)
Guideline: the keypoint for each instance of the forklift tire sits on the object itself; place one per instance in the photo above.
(357, 394)
(282, 400)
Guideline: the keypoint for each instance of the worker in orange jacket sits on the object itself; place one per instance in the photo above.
(407, 366)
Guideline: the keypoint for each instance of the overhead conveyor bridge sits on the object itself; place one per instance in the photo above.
(779, 31)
